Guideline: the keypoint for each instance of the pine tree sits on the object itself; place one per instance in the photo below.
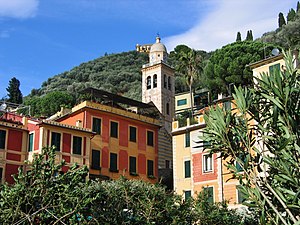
(14, 93)
(298, 6)
(249, 36)
(238, 36)
(281, 20)
(291, 15)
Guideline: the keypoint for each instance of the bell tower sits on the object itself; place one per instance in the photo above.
(158, 86)
(158, 82)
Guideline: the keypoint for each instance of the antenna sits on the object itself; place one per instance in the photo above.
(275, 52)
(3, 107)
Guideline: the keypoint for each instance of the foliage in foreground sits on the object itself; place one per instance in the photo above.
(262, 135)
(45, 196)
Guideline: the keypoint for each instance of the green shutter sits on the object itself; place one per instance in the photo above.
(114, 129)
(77, 144)
(187, 195)
(132, 134)
(113, 162)
(132, 164)
(187, 169)
(150, 167)
(55, 140)
(187, 139)
(150, 137)
(30, 143)
(209, 191)
(96, 159)
(274, 68)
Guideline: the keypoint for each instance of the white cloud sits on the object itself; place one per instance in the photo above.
(220, 26)
(18, 8)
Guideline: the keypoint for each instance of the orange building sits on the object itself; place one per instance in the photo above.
(125, 141)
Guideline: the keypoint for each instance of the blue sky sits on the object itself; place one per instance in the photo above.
(42, 38)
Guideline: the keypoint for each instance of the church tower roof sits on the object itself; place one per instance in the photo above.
(158, 46)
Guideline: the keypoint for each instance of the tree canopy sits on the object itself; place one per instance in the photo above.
(228, 65)
(43, 194)
(13, 90)
(262, 136)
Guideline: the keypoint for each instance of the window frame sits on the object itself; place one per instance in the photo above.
(3, 139)
(150, 141)
(213, 193)
(132, 165)
(179, 102)
(74, 147)
(131, 139)
(155, 81)
(187, 138)
(113, 168)
(111, 130)
(98, 132)
(150, 164)
(96, 165)
(60, 141)
(30, 146)
(148, 82)
(204, 163)
(187, 173)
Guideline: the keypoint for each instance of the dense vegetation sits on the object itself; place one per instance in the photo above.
(45, 196)
(267, 151)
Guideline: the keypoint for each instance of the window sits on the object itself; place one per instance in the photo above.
(187, 169)
(169, 83)
(240, 196)
(207, 163)
(237, 165)
(274, 68)
(227, 106)
(77, 145)
(2, 139)
(148, 82)
(168, 166)
(165, 81)
(150, 137)
(187, 195)
(132, 134)
(209, 191)
(132, 165)
(154, 81)
(187, 139)
(113, 162)
(168, 108)
(30, 143)
(55, 140)
(181, 102)
(96, 159)
(150, 167)
(1, 175)
(114, 129)
(97, 125)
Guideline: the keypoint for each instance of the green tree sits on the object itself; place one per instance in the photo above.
(268, 149)
(298, 6)
(281, 20)
(249, 36)
(42, 193)
(291, 15)
(238, 37)
(14, 93)
(229, 65)
(190, 66)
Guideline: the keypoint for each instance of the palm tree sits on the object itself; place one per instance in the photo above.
(190, 66)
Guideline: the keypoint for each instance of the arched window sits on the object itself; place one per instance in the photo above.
(169, 83)
(148, 82)
(168, 108)
(154, 81)
(165, 81)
